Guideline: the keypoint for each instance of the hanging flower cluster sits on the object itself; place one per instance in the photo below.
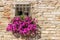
(26, 26)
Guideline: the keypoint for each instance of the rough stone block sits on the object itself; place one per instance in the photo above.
(1, 9)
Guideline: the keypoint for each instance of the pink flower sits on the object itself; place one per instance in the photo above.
(9, 28)
(23, 27)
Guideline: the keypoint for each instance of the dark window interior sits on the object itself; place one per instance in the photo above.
(22, 9)
(26, 13)
(20, 13)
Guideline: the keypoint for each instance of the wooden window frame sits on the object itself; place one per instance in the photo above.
(25, 8)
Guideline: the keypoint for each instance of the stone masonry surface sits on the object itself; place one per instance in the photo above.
(47, 12)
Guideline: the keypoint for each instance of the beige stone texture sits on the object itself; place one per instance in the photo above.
(47, 13)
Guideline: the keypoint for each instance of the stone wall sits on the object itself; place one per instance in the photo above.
(47, 12)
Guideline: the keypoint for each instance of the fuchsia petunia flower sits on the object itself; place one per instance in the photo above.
(9, 28)
(23, 27)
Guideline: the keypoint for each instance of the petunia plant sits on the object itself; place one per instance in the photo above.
(25, 26)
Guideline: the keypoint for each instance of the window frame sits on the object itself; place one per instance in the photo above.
(23, 8)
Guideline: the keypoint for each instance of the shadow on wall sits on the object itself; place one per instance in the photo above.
(35, 37)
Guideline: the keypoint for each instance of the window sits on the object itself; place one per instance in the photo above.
(22, 9)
